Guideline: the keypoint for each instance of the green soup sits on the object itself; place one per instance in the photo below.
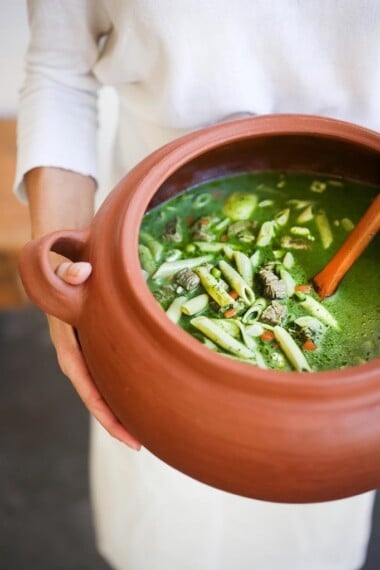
(231, 262)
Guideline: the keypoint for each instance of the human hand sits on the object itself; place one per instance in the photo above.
(72, 363)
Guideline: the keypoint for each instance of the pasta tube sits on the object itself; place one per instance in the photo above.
(292, 351)
(195, 305)
(237, 282)
(213, 287)
(208, 246)
(266, 234)
(244, 267)
(254, 311)
(174, 310)
(306, 215)
(324, 228)
(290, 284)
(319, 311)
(221, 337)
(172, 267)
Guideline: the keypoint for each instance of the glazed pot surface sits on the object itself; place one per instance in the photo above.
(278, 436)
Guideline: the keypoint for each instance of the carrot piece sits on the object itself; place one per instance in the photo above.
(203, 221)
(303, 288)
(230, 313)
(309, 345)
(267, 336)
(234, 294)
(224, 238)
(189, 220)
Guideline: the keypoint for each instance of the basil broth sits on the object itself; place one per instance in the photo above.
(231, 261)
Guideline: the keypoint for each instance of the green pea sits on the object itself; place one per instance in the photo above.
(215, 272)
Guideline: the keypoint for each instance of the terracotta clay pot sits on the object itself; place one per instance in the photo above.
(278, 436)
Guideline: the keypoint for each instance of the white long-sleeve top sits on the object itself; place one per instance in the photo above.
(178, 65)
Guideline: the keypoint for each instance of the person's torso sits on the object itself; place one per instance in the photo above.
(186, 64)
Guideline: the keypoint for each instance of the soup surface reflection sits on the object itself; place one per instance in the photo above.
(231, 262)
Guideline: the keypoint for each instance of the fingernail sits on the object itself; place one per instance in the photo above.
(80, 268)
(133, 445)
(62, 268)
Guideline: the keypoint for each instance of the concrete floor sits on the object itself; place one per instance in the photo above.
(45, 518)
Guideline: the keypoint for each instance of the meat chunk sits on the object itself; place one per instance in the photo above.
(173, 231)
(187, 279)
(274, 314)
(294, 243)
(201, 229)
(273, 287)
(242, 230)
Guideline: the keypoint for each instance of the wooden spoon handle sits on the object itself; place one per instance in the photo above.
(327, 280)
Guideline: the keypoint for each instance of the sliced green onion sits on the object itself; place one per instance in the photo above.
(318, 186)
(202, 200)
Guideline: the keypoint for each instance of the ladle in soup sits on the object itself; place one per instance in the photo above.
(327, 280)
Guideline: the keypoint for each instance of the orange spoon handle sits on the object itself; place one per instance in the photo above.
(327, 280)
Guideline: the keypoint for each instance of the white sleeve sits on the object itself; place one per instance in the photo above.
(57, 120)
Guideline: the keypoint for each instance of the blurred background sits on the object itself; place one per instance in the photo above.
(45, 515)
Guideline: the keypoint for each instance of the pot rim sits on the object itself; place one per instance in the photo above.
(155, 170)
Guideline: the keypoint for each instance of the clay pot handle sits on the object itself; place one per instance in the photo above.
(42, 285)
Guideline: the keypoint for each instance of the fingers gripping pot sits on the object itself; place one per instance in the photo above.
(278, 436)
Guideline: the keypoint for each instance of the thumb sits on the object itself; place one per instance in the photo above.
(74, 273)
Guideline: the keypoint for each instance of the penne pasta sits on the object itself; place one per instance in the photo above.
(172, 267)
(324, 228)
(174, 310)
(237, 282)
(266, 233)
(195, 305)
(317, 310)
(215, 333)
(244, 267)
(291, 350)
(290, 284)
(213, 287)
(254, 311)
